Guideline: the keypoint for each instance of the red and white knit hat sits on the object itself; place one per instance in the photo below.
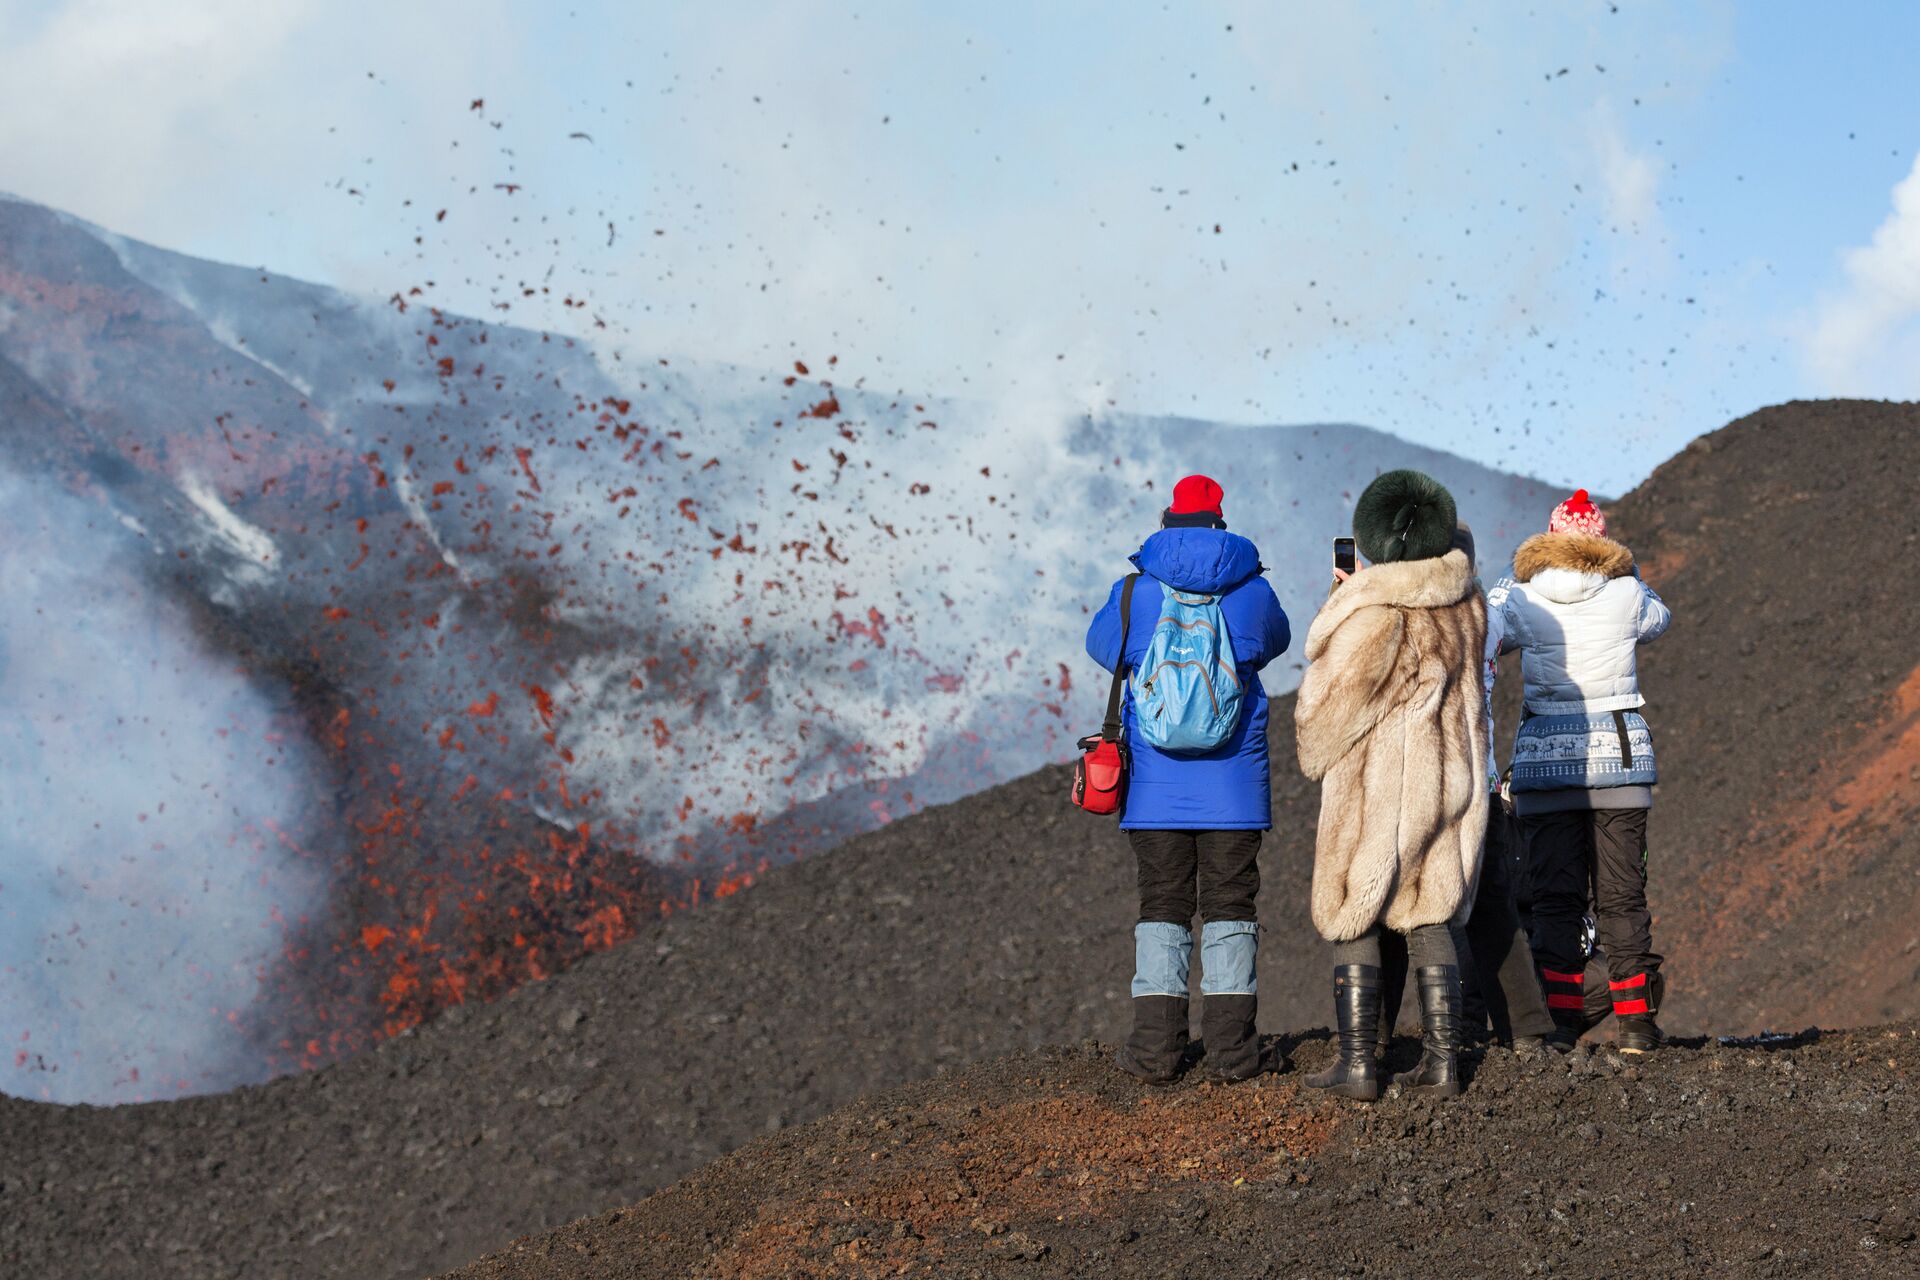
(1578, 515)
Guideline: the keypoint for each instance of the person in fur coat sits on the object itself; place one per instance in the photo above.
(1391, 720)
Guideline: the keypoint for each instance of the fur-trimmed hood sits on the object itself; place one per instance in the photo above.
(1570, 566)
(1577, 613)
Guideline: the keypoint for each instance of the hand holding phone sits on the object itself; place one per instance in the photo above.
(1344, 560)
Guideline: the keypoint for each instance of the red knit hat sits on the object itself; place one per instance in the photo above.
(1578, 515)
(1197, 494)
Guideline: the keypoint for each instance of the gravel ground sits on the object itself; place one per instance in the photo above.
(1794, 1159)
(1787, 713)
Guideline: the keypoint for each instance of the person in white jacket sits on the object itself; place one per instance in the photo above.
(1583, 763)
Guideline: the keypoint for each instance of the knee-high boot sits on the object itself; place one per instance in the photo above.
(1439, 1068)
(1356, 1012)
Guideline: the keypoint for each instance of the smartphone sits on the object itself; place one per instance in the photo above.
(1343, 555)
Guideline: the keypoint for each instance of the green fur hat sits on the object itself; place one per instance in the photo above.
(1404, 515)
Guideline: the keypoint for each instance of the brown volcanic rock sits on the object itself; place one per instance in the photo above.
(1785, 543)
(1052, 1164)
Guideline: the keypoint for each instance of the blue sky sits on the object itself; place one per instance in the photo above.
(1562, 238)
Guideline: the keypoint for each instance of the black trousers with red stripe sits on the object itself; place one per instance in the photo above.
(1597, 855)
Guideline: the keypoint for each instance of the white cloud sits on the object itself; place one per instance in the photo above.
(1865, 338)
(1629, 179)
(237, 130)
(144, 90)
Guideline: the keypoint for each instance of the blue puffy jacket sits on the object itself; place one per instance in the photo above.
(1226, 788)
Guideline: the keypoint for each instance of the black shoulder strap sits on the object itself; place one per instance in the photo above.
(1110, 730)
(1626, 744)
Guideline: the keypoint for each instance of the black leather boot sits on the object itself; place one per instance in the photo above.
(1356, 1014)
(1439, 1068)
(1159, 1040)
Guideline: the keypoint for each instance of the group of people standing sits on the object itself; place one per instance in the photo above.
(1424, 845)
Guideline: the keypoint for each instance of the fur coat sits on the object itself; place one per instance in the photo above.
(1392, 721)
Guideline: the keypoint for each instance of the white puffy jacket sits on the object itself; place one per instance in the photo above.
(1577, 611)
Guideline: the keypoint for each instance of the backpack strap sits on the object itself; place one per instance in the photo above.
(1110, 729)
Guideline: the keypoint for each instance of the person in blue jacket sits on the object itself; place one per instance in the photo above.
(1195, 820)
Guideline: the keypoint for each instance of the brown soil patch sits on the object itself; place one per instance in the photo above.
(1874, 783)
(894, 1204)
(1891, 771)
(1786, 1158)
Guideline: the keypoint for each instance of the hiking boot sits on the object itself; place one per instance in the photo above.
(1532, 1048)
(1233, 1046)
(1439, 1068)
(1159, 1041)
(1636, 1000)
(1356, 1014)
(1229, 960)
(1638, 1035)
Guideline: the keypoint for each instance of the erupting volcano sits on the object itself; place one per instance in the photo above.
(999, 923)
(481, 648)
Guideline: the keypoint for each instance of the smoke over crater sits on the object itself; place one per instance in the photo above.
(155, 794)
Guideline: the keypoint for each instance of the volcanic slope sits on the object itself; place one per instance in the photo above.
(551, 639)
(1785, 704)
(1792, 1158)
(1783, 878)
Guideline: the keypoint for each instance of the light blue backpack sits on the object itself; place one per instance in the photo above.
(1186, 693)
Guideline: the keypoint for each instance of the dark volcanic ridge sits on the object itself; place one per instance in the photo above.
(1782, 881)
(1794, 1157)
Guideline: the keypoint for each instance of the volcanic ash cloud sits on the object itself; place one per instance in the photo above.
(147, 863)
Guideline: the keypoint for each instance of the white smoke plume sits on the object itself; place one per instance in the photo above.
(152, 795)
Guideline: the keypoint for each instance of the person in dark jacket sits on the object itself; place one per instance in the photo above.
(1195, 820)
(1501, 985)
(1508, 984)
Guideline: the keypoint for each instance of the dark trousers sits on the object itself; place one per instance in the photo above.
(1501, 983)
(1216, 871)
(1503, 966)
(1598, 853)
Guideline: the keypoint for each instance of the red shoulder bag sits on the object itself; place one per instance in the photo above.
(1100, 776)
